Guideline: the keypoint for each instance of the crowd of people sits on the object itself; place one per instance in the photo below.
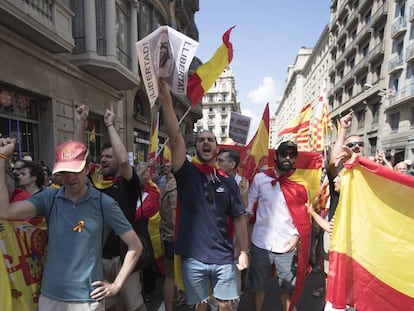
(81, 218)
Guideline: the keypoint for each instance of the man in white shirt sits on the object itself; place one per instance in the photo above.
(275, 236)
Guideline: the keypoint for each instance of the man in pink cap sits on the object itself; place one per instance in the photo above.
(79, 219)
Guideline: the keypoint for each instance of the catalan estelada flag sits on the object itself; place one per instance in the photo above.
(204, 77)
(372, 247)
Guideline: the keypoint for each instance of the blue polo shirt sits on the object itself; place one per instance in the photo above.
(203, 229)
(74, 258)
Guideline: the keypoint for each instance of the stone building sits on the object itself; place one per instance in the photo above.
(54, 54)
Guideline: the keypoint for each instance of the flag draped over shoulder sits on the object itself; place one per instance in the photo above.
(204, 77)
(300, 127)
(255, 155)
(371, 255)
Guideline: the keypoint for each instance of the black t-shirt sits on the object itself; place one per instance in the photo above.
(126, 194)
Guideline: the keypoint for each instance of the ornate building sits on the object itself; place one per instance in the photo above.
(217, 104)
(54, 54)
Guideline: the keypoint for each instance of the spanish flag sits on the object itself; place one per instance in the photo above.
(204, 77)
(371, 255)
(300, 127)
(255, 155)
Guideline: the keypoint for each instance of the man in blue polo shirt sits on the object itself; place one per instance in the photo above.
(79, 219)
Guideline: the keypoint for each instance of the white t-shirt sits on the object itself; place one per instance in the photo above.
(274, 225)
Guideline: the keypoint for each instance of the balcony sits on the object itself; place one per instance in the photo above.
(395, 64)
(185, 12)
(380, 14)
(401, 96)
(411, 16)
(376, 52)
(44, 22)
(398, 27)
(410, 53)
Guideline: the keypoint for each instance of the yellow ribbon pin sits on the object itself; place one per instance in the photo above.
(79, 226)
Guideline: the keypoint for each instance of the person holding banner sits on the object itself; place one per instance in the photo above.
(207, 197)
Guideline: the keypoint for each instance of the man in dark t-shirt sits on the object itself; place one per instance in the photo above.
(117, 178)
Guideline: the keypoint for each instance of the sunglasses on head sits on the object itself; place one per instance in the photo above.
(208, 191)
(352, 144)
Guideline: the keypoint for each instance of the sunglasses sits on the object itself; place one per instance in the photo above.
(208, 191)
(291, 155)
(354, 143)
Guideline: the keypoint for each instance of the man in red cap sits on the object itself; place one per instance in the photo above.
(79, 218)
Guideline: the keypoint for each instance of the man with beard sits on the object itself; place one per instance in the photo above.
(118, 179)
(280, 225)
(207, 198)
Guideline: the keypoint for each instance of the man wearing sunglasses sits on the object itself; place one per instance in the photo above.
(207, 197)
(281, 219)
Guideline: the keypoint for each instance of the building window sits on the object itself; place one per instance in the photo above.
(394, 121)
(123, 37)
(412, 116)
(375, 112)
(361, 118)
(223, 130)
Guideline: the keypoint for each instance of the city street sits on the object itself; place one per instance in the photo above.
(272, 303)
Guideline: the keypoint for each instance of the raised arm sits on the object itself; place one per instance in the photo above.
(172, 127)
(337, 151)
(118, 146)
(17, 210)
(81, 120)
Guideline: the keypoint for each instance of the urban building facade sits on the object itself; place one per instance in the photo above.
(54, 54)
(365, 55)
(217, 105)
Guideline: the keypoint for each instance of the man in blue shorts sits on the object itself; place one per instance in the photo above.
(207, 198)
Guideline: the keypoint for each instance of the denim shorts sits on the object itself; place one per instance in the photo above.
(199, 278)
(260, 270)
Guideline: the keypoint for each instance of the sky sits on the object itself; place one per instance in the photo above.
(266, 39)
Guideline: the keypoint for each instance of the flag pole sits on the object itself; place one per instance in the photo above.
(157, 154)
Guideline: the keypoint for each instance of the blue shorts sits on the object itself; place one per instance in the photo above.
(260, 270)
(199, 278)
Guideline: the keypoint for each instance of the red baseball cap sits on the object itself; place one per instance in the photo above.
(70, 157)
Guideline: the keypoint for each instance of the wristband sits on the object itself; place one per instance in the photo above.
(3, 156)
(108, 126)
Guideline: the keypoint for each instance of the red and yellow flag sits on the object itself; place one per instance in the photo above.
(300, 127)
(167, 153)
(371, 254)
(204, 77)
(321, 124)
(154, 137)
(255, 155)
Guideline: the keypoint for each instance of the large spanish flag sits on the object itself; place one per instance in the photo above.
(372, 249)
(204, 77)
(301, 121)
